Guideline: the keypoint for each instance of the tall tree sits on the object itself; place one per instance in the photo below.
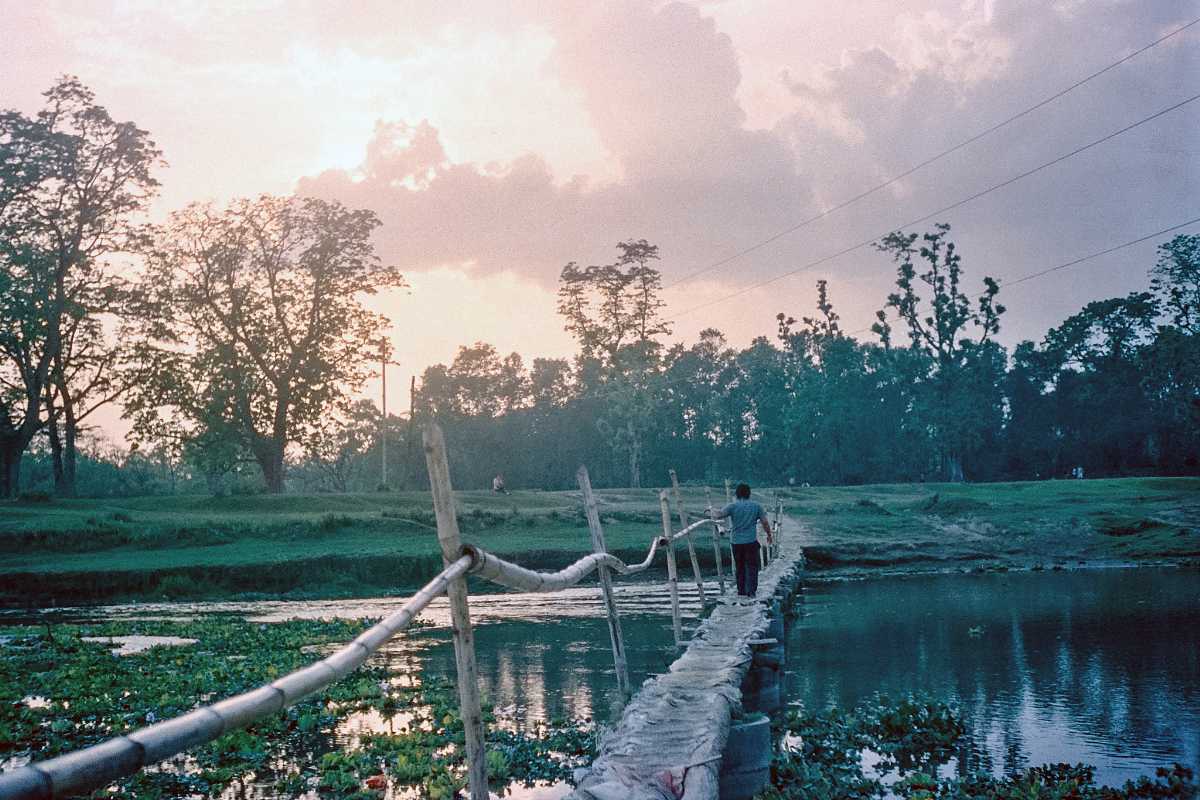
(939, 331)
(478, 383)
(72, 184)
(253, 324)
(1175, 278)
(614, 311)
(1099, 392)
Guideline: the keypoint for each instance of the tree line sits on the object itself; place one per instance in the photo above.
(235, 341)
(1113, 390)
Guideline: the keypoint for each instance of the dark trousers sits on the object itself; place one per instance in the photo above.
(745, 567)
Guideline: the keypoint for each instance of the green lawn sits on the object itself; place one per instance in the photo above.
(330, 545)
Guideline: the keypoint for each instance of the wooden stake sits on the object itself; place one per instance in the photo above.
(610, 603)
(732, 560)
(672, 574)
(683, 523)
(716, 539)
(778, 524)
(460, 613)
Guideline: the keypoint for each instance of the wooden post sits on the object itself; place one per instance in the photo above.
(764, 549)
(778, 524)
(460, 614)
(383, 425)
(672, 574)
(716, 539)
(610, 603)
(683, 523)
(732, 560)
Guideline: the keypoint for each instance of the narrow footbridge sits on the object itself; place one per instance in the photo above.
(672, 736)
(671, 739)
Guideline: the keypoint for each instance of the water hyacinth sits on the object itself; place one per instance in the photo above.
(822, 758)
(59, 693)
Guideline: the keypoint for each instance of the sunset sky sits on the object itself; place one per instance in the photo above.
(499, 140)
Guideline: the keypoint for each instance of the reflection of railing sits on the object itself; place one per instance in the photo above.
(97, 766)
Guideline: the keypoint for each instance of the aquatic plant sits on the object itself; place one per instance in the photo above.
(822, 760)
(59, 692)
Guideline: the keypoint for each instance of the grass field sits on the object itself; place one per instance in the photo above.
(74, 551)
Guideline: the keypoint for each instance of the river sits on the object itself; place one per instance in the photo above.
(1098, 666)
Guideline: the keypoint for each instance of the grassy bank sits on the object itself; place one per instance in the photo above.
(1002, 525)
(75, 551)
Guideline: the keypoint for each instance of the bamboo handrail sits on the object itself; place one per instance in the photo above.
(98, 765)
(686, 531)
(514, 576)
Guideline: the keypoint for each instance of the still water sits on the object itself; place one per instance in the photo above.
(1096, 666)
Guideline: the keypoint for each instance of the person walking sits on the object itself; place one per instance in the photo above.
(744, 516)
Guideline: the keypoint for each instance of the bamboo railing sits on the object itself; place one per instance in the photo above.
(97, 766)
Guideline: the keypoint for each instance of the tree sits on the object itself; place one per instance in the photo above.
(550, 383)
(478, 383)
(72, 182)
(1100, 395)
(939, 333)
(613, 307)
(614, 312)
(337, 454)
(1176, 281)
(253, 326)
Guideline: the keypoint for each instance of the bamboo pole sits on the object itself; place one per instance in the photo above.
(778, 525)
(460, 613)
(716, 539)
(81, 771)
(683, 524)
(732, 560)
(610, 603)
(764, 555)
(672, 574)
(514, 576)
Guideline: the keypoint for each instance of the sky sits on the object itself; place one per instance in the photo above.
(499, 140)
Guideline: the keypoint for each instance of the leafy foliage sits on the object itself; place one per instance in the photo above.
(60, 692)
(73, 182)
(253, 326)
(912, 737)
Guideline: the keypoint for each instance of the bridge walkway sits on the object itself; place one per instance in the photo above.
(670, 737)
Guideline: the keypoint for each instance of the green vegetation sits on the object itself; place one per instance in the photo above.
(59, 692)
(1003, 525)
(69, 551)
(912, 738)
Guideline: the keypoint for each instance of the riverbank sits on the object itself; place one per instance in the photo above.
(152, 548)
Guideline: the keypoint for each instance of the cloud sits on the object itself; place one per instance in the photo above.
(517, 136)
(941, 82)
(659, 85)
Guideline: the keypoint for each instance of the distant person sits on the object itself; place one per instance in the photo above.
(744, 516)
(498, 485)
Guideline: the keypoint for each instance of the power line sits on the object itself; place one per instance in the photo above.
(940, 211)
(1023, 279)
(1073, 262)
(931, 160)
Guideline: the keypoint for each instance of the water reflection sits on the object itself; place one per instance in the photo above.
(1101, 667)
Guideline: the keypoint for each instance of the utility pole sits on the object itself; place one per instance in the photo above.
(385, 352)
(383, 423)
